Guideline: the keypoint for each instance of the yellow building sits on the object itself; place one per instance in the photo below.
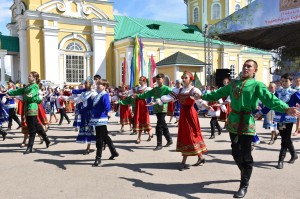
(68, 40)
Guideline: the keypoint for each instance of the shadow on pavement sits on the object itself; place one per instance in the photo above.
(62, 163)
(183, 190)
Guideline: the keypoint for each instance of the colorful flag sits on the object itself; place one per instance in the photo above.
(137, 61)
(150, 74)
(132, 73)
(196, 81)
(124, 71)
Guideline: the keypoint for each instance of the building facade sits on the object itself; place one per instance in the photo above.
(68, 40)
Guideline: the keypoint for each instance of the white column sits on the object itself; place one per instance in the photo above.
(188, 17)
(176, 73)
(161, 53)
(118, 69)
(204, 13)
(240, 64)
(3, 69)
(225, 60)
(229, 7)
(51, 52)
(88, 65)
(61, 72)
(99, 51)
(23, 51)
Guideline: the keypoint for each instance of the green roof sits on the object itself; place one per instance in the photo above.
(148, 28)
(256, 51)
(9, 43)
(180, 58)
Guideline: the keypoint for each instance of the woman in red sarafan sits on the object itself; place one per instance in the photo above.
(226, 101)
(141, 115)
(189, 140)
(125, 112)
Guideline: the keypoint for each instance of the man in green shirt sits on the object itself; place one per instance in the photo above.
(160, 109)
(244, 95)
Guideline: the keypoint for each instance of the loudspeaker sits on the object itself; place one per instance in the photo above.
(221, 74)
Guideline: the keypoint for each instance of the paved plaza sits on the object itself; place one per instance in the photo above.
(61, 171)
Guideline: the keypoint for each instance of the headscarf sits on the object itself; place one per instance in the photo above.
(188, 73)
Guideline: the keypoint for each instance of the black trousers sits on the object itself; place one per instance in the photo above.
(63, 114)
(103, 137)
(162, 129)
(213, 124)
(241, 151)
(13, 116)
(285, 134)
(33, 126)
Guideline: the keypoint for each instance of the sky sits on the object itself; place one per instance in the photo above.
(164, 10)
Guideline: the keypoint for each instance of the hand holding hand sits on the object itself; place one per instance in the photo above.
(293, 111)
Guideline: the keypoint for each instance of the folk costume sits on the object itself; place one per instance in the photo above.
(160, 110)
(244, 95)
(86, 133)
(224, 114)
(214, 117)
(11, 107)
(100, 107)
(285, 123)
(125, 111)
(189, 140)
(3, 115)
(31, 98)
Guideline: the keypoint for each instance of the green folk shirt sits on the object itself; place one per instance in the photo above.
(157, 93)
(31, 98)
(245, 99)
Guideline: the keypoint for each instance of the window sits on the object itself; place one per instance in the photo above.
(216, 11)
(196, 15)
(237, 7)
(74, 46)
(74, 68)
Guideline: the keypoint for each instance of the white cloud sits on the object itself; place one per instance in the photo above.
(117, 12)
(5, 13)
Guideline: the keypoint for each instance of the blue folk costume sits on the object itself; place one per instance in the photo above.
(3, 116)
(78, 107)
(86, 133)
(100, 108)
(285, 123)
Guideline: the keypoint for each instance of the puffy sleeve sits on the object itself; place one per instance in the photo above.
(171, 97)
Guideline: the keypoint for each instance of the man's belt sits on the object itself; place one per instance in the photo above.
(241, 123)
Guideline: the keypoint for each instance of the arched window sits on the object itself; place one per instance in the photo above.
(196, 15)
(74, 65)
(74, 46)
(237, 7)
(216, 11)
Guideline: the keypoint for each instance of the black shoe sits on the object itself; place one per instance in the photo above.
(169, 144)
(47, 143)
(212, 137)
(157, 148)
(184, 167)
(8, 128)
(133, 133)
(293, 158)
(241, 192)
(19, 127)
(220, 132)
(97, 162)
(28, 150)
(113, 155)
(69, 122)
(4, 135)
(199, 162)
(280, 165)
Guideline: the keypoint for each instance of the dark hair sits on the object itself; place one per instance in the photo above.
(97, 76)
(36, 76)
(103, 82)
(251, 60)
(287, 76)
(160, 75)
(143, 78)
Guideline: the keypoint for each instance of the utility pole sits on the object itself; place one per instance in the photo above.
(208, 56)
